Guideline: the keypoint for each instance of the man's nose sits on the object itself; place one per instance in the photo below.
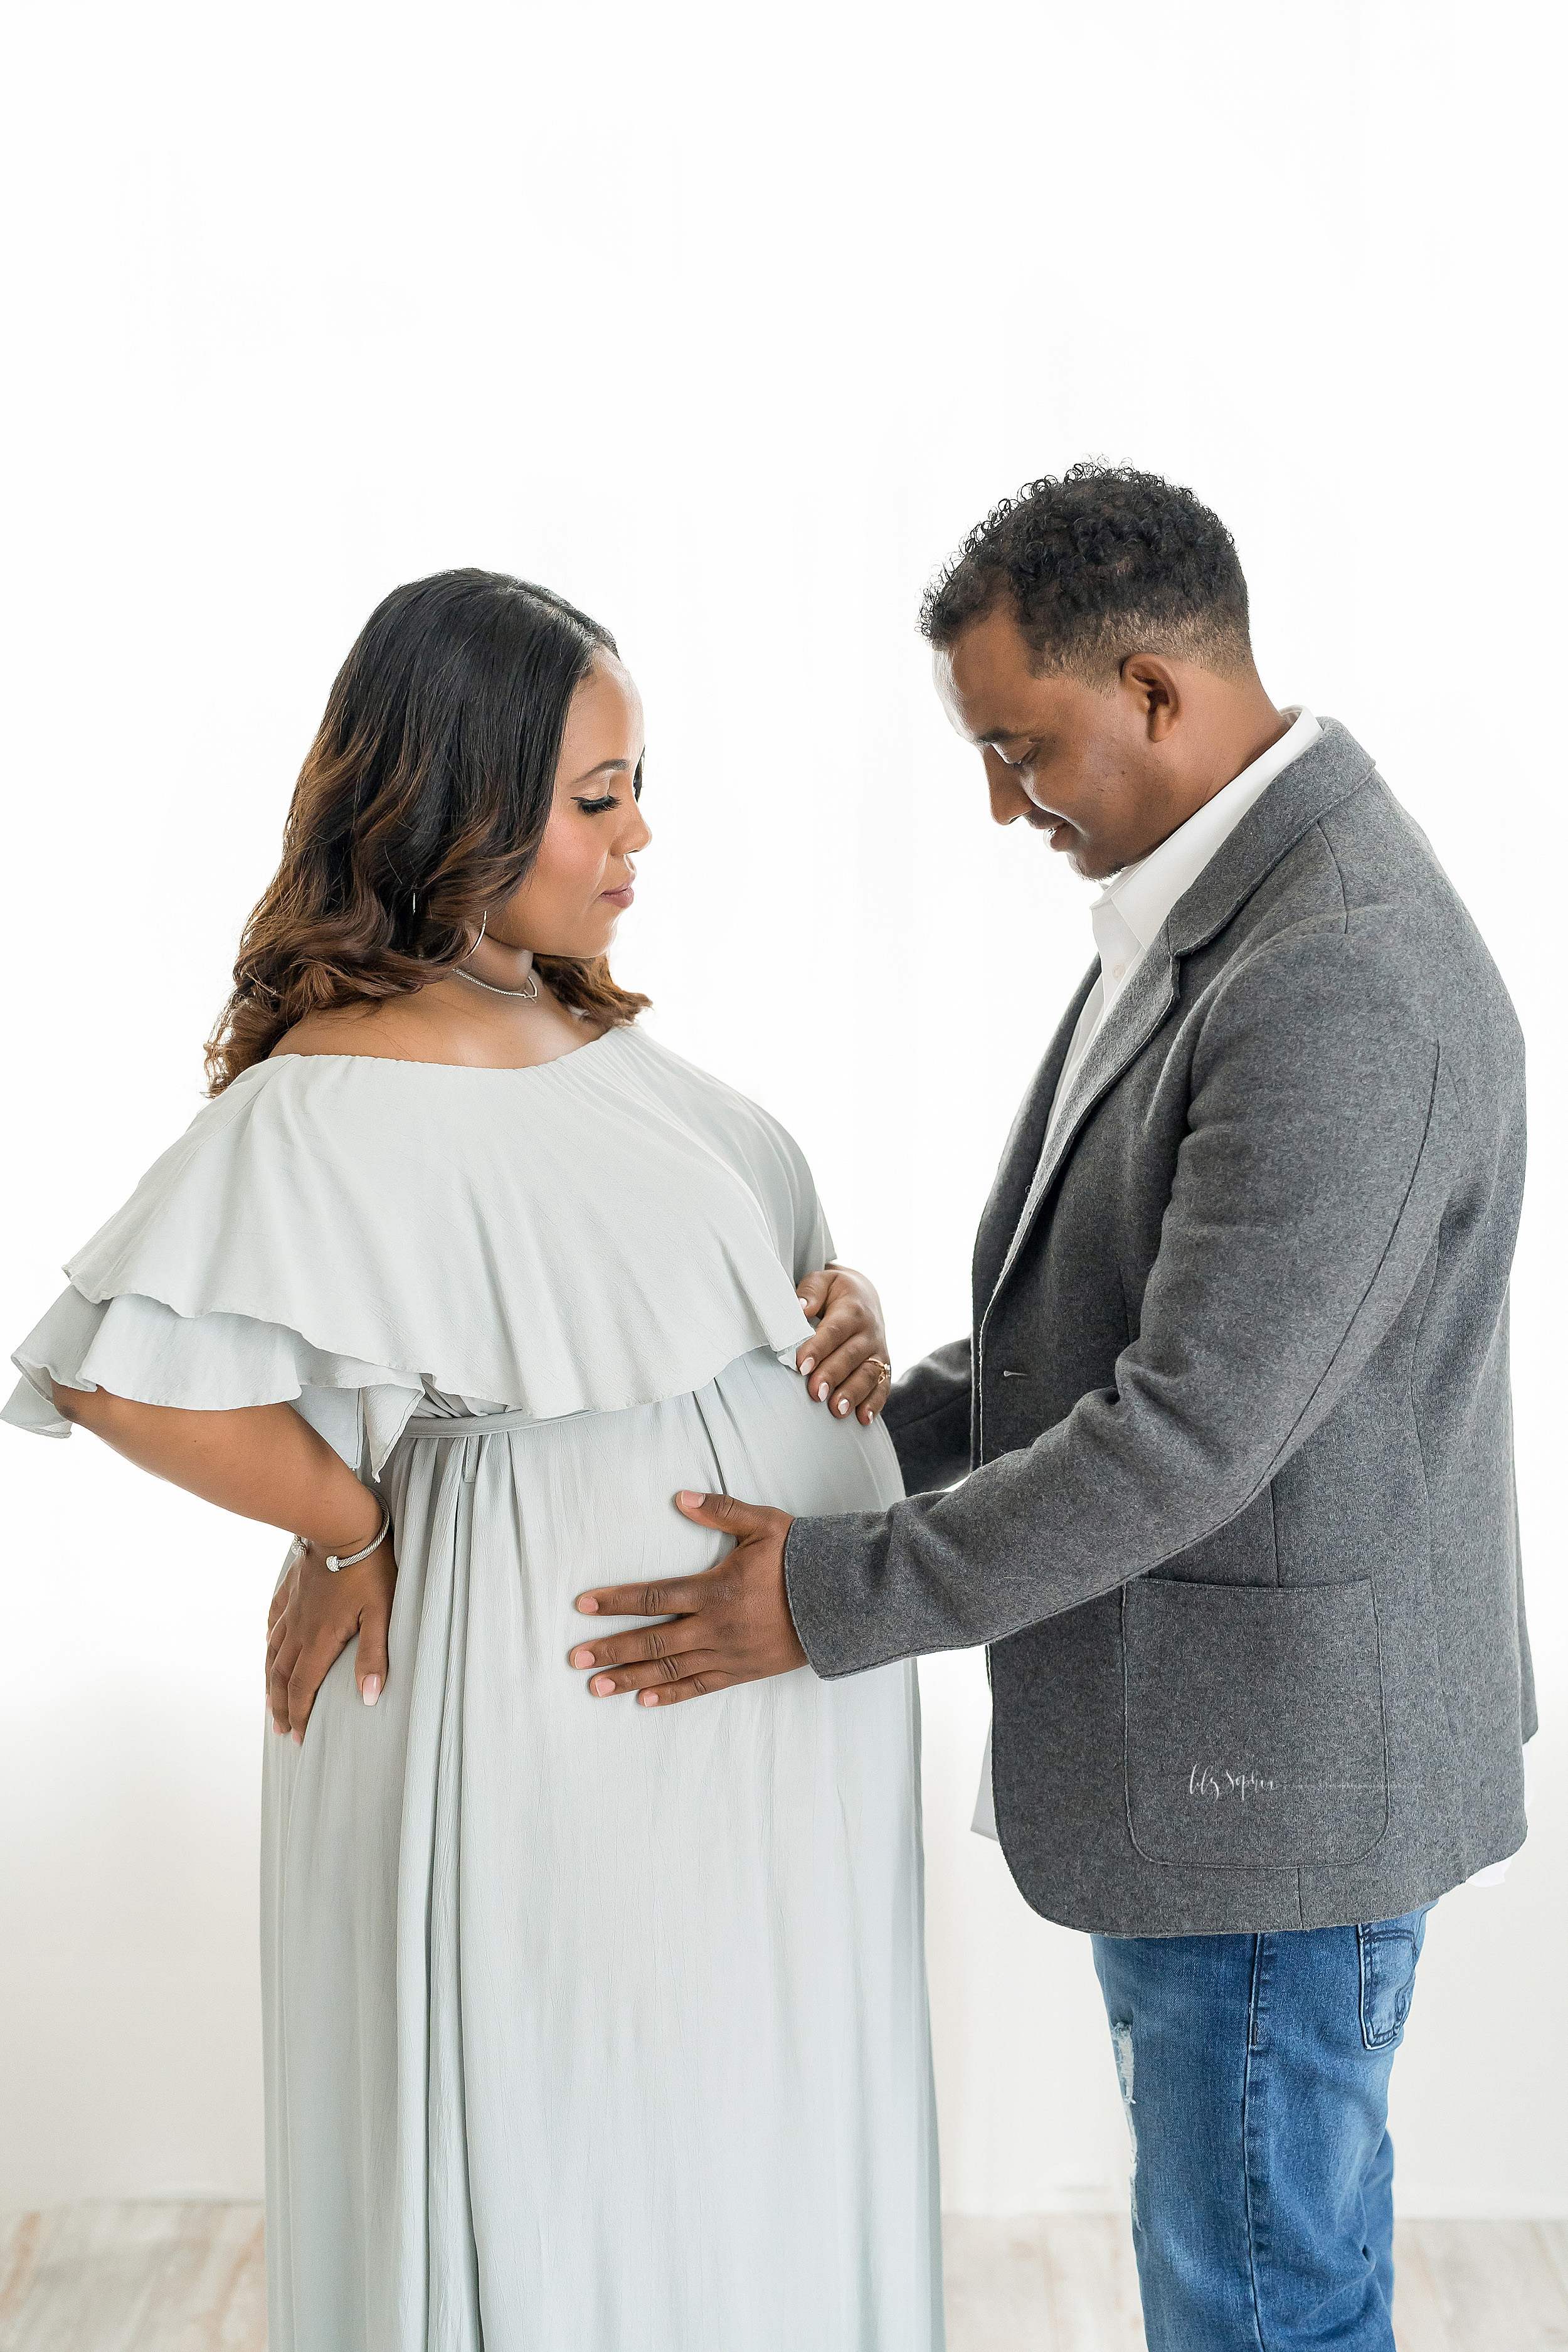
(1009, 801)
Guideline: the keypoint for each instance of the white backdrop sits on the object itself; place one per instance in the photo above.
(727, 323)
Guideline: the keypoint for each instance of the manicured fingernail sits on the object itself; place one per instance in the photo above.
(809, 1366)
(582, 1657)
(370, 1689)
(688, 1501)
(603, 1687)
(588, 1605)
(822, 1393)
(298, 1737)
(843, 1404)
(650, 1699)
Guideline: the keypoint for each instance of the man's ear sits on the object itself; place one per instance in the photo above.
(1154, 684)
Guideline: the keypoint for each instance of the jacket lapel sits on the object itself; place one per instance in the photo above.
(1331, 768)
(1123, 1034)
(1021, 1153)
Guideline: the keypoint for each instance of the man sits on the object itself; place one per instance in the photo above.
(1224, 1473)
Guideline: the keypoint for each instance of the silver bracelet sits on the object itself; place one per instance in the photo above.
(336, 1559)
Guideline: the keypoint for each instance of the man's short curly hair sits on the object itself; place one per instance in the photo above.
(1103, 562)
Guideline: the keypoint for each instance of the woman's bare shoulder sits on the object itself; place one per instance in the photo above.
(434, 1023)
(390, 1029)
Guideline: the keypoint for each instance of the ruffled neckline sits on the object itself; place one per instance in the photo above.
(614, 1233)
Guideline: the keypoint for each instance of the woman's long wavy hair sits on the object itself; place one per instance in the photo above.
(424, 800)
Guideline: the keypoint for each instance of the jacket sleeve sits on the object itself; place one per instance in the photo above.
(1322, 1133)
(928, 1418)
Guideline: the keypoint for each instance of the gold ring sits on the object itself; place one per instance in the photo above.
(886, 1370)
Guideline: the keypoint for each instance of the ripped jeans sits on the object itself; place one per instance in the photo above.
(1255, 2074)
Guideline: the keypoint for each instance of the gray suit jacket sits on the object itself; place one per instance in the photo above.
(1238, 1518)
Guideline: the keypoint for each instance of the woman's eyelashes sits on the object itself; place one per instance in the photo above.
(606, 802)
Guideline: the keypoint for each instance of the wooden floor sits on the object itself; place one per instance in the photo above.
(187, 2278)
(1055, 2284)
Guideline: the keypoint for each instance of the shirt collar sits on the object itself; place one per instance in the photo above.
(1139, 897)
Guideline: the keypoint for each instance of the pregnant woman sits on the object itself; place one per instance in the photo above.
(589, 2028)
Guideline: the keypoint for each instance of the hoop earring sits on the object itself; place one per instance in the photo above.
(527, 994)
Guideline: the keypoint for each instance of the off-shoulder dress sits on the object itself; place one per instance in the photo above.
(589, 2027)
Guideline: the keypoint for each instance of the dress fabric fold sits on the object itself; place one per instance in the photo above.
(587, 2024)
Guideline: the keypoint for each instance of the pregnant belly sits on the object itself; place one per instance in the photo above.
(497, 1536)
(591, 1499)
(588, 1501)
(514, 1524)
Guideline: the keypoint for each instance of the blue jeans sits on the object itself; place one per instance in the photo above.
(1255, 2073)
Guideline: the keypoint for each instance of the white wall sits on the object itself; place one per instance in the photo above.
(727, 323)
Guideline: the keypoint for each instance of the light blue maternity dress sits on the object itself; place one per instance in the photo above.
(590, 2027)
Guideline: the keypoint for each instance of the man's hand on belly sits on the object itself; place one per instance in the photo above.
(730, 1624)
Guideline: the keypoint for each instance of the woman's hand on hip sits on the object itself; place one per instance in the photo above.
(316, 1612)
(846, 1360)
(263, 1461)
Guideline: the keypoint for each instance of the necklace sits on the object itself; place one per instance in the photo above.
(523, 995)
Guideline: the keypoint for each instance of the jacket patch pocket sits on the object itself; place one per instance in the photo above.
(1254, 1723)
